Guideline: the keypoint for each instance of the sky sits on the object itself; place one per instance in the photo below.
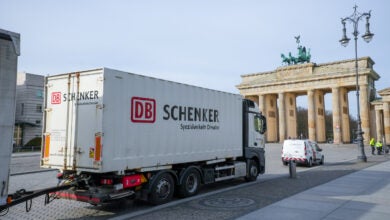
(207, 43)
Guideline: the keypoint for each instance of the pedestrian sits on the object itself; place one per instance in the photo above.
(372, 144)
(378, 146)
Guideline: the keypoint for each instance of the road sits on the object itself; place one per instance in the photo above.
(65, 209)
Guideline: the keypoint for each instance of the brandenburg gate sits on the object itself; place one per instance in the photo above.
(276, 92)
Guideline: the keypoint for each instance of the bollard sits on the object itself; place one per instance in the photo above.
(292, 169)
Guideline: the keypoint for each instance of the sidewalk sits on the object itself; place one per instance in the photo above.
(364, 194)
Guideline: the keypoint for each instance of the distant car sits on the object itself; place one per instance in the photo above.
(302, 152)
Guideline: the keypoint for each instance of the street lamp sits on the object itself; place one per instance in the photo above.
(354, 19)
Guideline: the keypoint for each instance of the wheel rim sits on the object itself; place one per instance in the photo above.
(163, 189)
(192, 183)
(253, 171)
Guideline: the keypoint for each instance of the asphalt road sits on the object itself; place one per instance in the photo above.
(226, 200)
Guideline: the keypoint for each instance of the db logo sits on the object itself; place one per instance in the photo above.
(56, 98)
(143, 110)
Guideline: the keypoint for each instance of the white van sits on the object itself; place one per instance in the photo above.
(302, 151)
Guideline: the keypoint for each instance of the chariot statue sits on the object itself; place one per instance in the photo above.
(303, 55)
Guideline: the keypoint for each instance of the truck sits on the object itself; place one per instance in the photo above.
(117, 135)
(9, 52)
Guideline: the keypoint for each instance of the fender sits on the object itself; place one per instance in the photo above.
(257, 154)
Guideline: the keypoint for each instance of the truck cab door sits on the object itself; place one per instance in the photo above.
(257, 128)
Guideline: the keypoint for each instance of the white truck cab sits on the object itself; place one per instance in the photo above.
(302, 151)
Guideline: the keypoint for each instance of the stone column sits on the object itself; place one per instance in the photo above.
(282, 118)
(345, 130)
(271, 114)
(336, 115)
(291, 115)
(386, 121)
(263, 110)
(319, 110)
(262, 104)
(311, 123)
(365, 113)
(378, 125)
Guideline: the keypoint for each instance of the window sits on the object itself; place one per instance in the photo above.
(40, 94)
(22, 108)
(260, 124)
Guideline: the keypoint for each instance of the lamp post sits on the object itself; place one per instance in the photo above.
(354, 19)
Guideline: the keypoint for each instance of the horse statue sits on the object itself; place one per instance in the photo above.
(285, 59)
(302, 55)
(293, 60)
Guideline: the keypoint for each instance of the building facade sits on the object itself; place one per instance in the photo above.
(29, 108)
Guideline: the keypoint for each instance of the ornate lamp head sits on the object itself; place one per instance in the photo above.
(367, 37)
(344, 41)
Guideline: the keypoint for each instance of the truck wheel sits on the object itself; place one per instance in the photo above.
(253, 171)
(162, 190)
(190, 184)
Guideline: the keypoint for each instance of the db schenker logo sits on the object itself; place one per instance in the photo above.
(143, 110)
(56, 98)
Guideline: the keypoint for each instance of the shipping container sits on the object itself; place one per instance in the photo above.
(9, 52)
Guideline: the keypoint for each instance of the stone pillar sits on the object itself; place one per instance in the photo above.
(345, 129)
(336, 115)
(311, 119)
(271, 114)
(378, 125)
(291, 115)
(365, 113)
(386, 121)
(282, 118)
(263, 110)
(262, 104)
(319, 110)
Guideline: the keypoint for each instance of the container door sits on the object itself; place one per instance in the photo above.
(73, 115)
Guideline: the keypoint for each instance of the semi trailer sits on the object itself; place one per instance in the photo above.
(116, 135)
(9, 52)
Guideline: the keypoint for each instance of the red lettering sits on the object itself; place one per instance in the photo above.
(148, 110)
(138, 109)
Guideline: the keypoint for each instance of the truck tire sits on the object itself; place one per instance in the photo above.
(253, 171)
(190, 184)
(162, 189)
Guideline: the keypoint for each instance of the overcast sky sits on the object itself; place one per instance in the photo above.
(205, 43)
